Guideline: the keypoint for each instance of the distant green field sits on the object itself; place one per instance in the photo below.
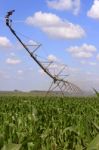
(52, 123)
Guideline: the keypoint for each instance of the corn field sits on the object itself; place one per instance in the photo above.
(52, 123)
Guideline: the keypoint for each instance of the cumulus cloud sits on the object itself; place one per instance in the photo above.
(84, 51)
(94, 10)
(83, 55)
(72, 5)
(5, 42)
(52, 58)
(13, 61)
(55, 27)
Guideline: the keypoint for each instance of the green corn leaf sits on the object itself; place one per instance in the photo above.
(78, 147)
(1, 141)
(11, 147)
(94, 145)
(96, 126)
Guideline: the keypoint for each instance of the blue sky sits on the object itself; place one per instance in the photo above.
(68, 31)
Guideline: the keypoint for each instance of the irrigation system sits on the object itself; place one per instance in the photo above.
(58, 79)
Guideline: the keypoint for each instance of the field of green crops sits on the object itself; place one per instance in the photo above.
(52, 123)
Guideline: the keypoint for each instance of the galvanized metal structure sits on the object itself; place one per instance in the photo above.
(58, 80)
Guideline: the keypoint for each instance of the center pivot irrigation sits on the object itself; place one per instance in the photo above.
(58, 79)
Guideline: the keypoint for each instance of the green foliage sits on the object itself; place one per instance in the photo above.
(94, 145)
(52, 123)
(1, 141)
(11, 147)
(96, 92)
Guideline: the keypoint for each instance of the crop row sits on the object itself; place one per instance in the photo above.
(52, 123)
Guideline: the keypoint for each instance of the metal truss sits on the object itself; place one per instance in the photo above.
(55, 71)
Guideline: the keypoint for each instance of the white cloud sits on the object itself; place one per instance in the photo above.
(52, 58)
(20, 72)
(5, 42)
(13, 61)
(65, 5)
(83, 54)
(83, 62)
(92, 63)
(84, 51)
(12, 54)
(31, 42)
(55, 27)
(94, 10)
